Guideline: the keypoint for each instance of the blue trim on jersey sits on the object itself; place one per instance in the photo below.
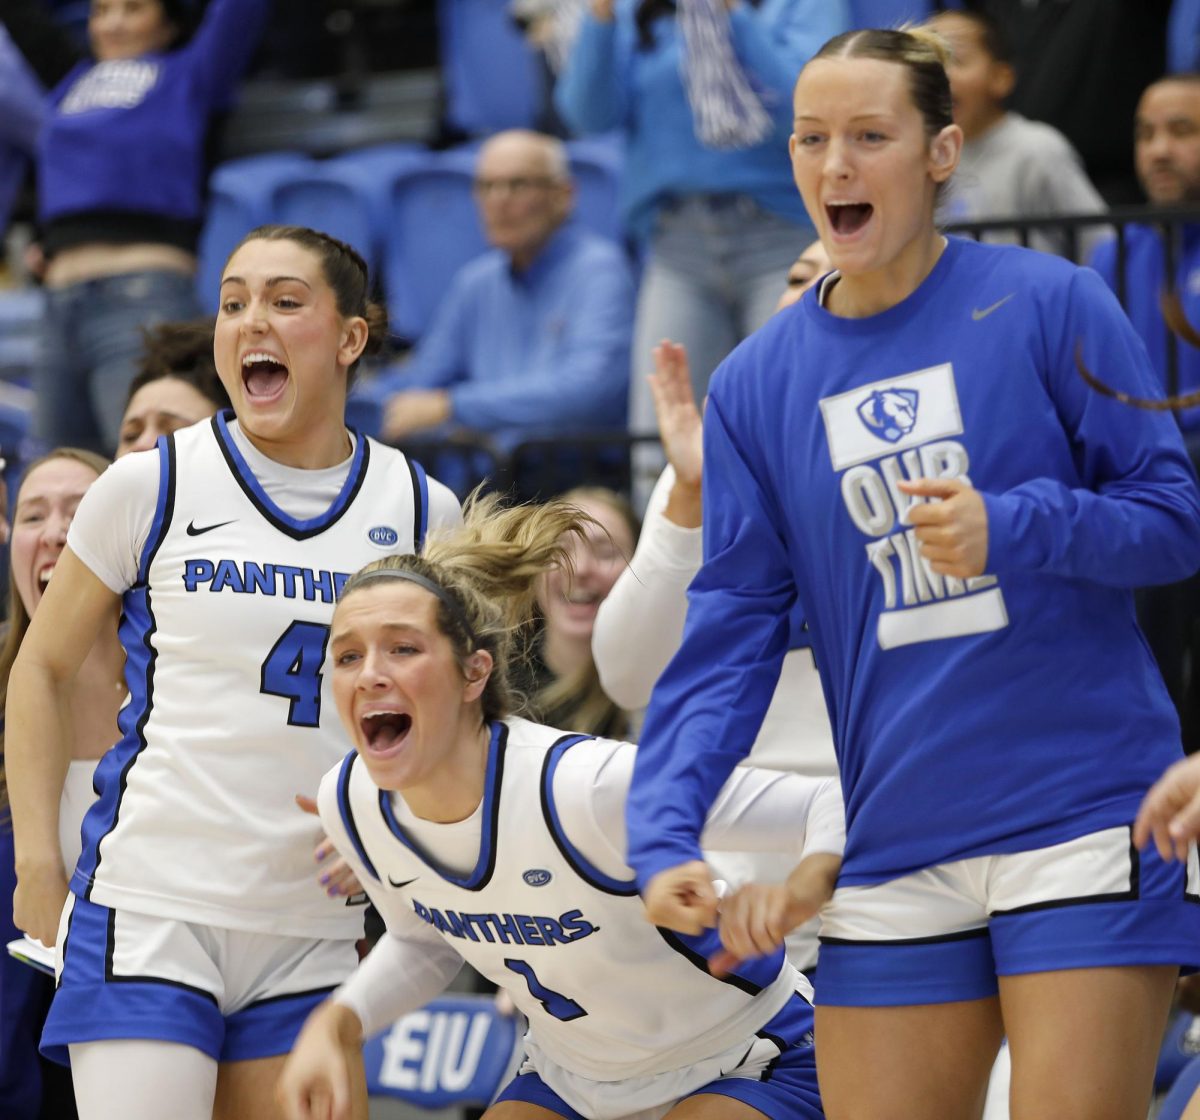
(481, 874)
(420, 503)
(277, 517)
(135, 630)
(347, 814)
(588, 872)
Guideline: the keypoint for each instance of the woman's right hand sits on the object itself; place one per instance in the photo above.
(39, 899)
(602, 10)
(316, 1082)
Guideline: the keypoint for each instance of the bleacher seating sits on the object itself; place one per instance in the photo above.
(493, 78)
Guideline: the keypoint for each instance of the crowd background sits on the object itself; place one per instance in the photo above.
(369, 119)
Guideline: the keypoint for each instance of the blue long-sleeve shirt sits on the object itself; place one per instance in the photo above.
(610, 83)
(125, 139)
(537, 352)
(21, 111)
(998, 714)
(1145, 279)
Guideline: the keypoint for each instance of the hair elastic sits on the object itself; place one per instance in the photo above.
(434, 588)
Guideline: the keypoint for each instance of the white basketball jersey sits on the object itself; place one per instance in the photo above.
(607, 995)
(231, 713)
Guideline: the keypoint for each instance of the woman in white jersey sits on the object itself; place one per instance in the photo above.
(195, 941)
(488, 838)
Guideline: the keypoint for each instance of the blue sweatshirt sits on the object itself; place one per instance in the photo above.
(127, 138)
(610, 83)
(538, 352)
(1009, 712)
(1145, 278)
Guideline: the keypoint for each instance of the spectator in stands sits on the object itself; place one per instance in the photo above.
(706, 112)
(121, 175)
(532, 337)
(564, 686)
(1011, 167)
(1080, 67)
(1166, 143)
(176, 385)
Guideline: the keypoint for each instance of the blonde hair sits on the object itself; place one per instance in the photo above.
(18, 617)
(577, 699)
(488, 570)
(920, 50)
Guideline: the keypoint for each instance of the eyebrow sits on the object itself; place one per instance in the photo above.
(391, 627)
(878, 115)
(271, 282)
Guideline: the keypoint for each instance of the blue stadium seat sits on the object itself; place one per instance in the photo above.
(891, 13)
(432, 231)
(596, 164)
(493, 78)
(331, 200)
(240, 195)
(455, 1050)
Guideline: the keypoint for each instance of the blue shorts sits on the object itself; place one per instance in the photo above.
(945, 933)
(230, 994)
(777, 1075)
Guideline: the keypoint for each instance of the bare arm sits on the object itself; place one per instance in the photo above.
(39, 734)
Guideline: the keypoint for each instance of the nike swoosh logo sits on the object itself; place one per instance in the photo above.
(405, 883)
(976, 314)
(193, 531)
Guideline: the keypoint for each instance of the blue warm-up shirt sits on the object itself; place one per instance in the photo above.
(994, 715)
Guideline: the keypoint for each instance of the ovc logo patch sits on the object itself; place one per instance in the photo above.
(890, 414)
(383, 536)
(537, 877)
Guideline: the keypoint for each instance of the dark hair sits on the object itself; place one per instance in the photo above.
(182, 350)
(992, 36)
(920, 50)
(345, 271)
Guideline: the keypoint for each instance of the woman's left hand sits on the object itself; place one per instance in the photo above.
(337, 878)
(757, 917)
(953, 530)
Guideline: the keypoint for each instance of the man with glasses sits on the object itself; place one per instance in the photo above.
(532, 339)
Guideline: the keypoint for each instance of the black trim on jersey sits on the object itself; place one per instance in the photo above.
(939, 939)
(150, 551)
(269, 515)
(419, 511)
(493, 788)
(307, 994)
(112, 978)
(584, 870)
(780, 1045)
(1134, 891)
(676, 943)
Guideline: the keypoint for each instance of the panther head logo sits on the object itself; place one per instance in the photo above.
(890, 414)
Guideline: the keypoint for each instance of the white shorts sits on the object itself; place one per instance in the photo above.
(232, 994)
(946, 932)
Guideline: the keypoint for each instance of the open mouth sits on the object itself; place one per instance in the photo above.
(43, 576)
(263, 375)
(847, 218)
(382, 731)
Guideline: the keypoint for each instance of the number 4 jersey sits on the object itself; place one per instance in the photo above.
(226, 604)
